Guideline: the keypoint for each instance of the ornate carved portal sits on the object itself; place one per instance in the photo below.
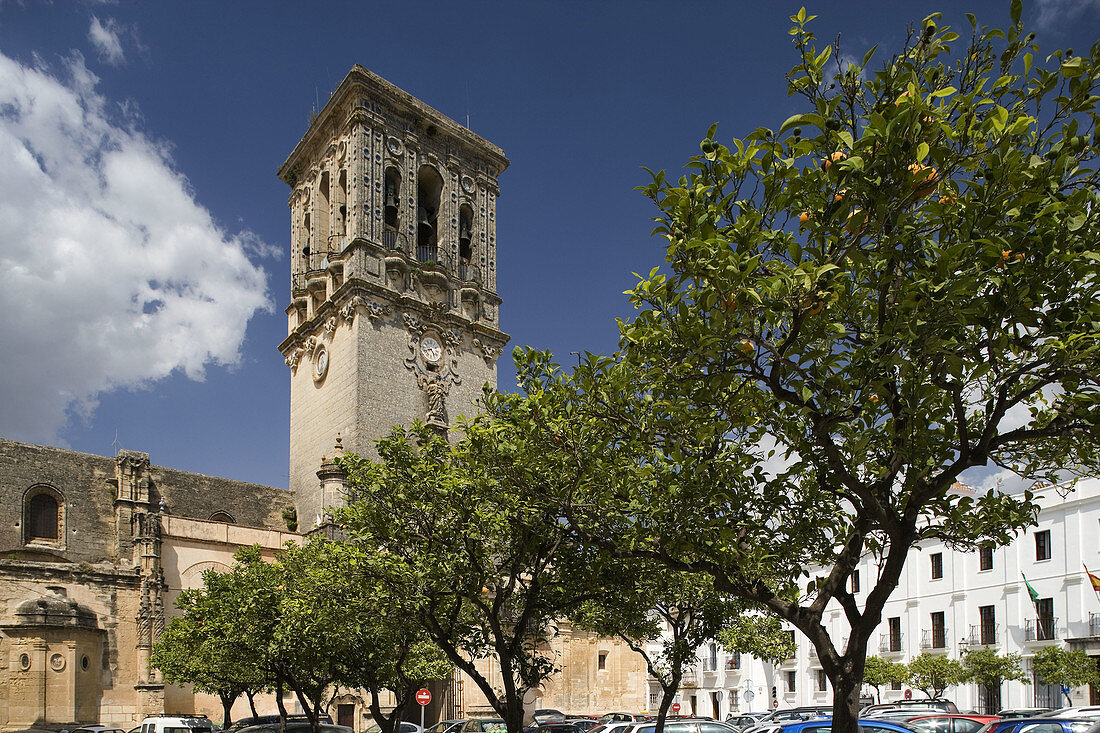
(433, 359)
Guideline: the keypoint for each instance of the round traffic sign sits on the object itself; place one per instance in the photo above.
(423, 696)
(908, 694)
(675, 707)
(775, 703)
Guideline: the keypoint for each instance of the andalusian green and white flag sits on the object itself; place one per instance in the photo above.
(1031, 591)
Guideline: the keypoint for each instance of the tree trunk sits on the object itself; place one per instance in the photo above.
(227, 708)
(846, 702)
(252, 702)
(513, 713)
(281, 704)
(668, 694)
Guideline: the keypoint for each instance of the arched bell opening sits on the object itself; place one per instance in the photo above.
(429, 187)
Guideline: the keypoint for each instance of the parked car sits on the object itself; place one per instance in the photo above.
(444, 726)
(96, 729)
(950, 723)
(1039, 725)
(614, 726)
(1082, 711)
(482, 725)
(622, 718)
(776, 719)
(177, 724)
(1022, 712)
(406, 727)
(295, 727)
(866, 725)
(582, 724)
(937, 703)
(904, 715)
(740, 721)
(686, 725)
(269, 719)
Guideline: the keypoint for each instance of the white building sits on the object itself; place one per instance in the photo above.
(946, 602)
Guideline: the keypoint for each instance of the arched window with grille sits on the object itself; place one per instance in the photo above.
(43, 515)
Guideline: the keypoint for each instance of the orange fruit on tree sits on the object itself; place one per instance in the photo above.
(836, 157)
(857, 220)
(925, 179)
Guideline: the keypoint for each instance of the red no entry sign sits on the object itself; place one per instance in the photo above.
(423, 696)
(675, 707)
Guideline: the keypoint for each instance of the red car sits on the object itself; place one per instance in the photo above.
(951, 723)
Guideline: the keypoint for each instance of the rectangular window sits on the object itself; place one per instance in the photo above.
(985, 558)
(735, 700)
(1044, 624)
(790, 681)
(855, 581)
(937, 565)
(822, 681)
(601, 661)
(790, 635)
(895, 633)
(895, 685)
(939, 631)
(988, 626)
(1042, 545)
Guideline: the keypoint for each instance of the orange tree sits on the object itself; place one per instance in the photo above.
(897, 284)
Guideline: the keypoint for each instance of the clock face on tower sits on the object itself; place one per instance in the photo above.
(431, 350)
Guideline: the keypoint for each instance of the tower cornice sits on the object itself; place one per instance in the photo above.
(375, 91)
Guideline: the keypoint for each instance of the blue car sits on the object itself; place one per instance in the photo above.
(866, 725)
(1040, 725)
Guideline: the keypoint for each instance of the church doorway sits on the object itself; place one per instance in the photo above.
(345, 715)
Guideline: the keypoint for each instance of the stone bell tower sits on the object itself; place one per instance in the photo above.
(394, 314)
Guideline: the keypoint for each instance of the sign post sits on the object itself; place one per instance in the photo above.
(423, 697)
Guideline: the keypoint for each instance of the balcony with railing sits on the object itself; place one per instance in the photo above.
(981, 635)
(1043, 628)
(890, 643)
(1094, 624)
(933, 639)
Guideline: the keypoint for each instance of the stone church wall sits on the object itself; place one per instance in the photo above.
(85, 482)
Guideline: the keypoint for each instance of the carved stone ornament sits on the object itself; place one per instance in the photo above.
(320, 363)
(413, 325)
(347, 313)
(330, 325)
(467, 184)
(436, 310)
(435, 367)
(377, 311)
(452, 339)
(310, 345)
(394, 146)
(489, 311)
(436, 387)
(488, 351)
(293, 358)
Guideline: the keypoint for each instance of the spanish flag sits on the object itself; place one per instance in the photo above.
(1092, 579)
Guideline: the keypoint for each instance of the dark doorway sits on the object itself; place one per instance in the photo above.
(345, 715)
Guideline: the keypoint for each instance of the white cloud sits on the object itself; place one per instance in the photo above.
(111, 274)
(105, 38)
(1054, 13)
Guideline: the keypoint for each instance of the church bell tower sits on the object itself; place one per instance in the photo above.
(394, 314)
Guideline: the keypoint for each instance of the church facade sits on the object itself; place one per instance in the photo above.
(393, 316)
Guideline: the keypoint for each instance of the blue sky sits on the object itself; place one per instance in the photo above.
(141, 142)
